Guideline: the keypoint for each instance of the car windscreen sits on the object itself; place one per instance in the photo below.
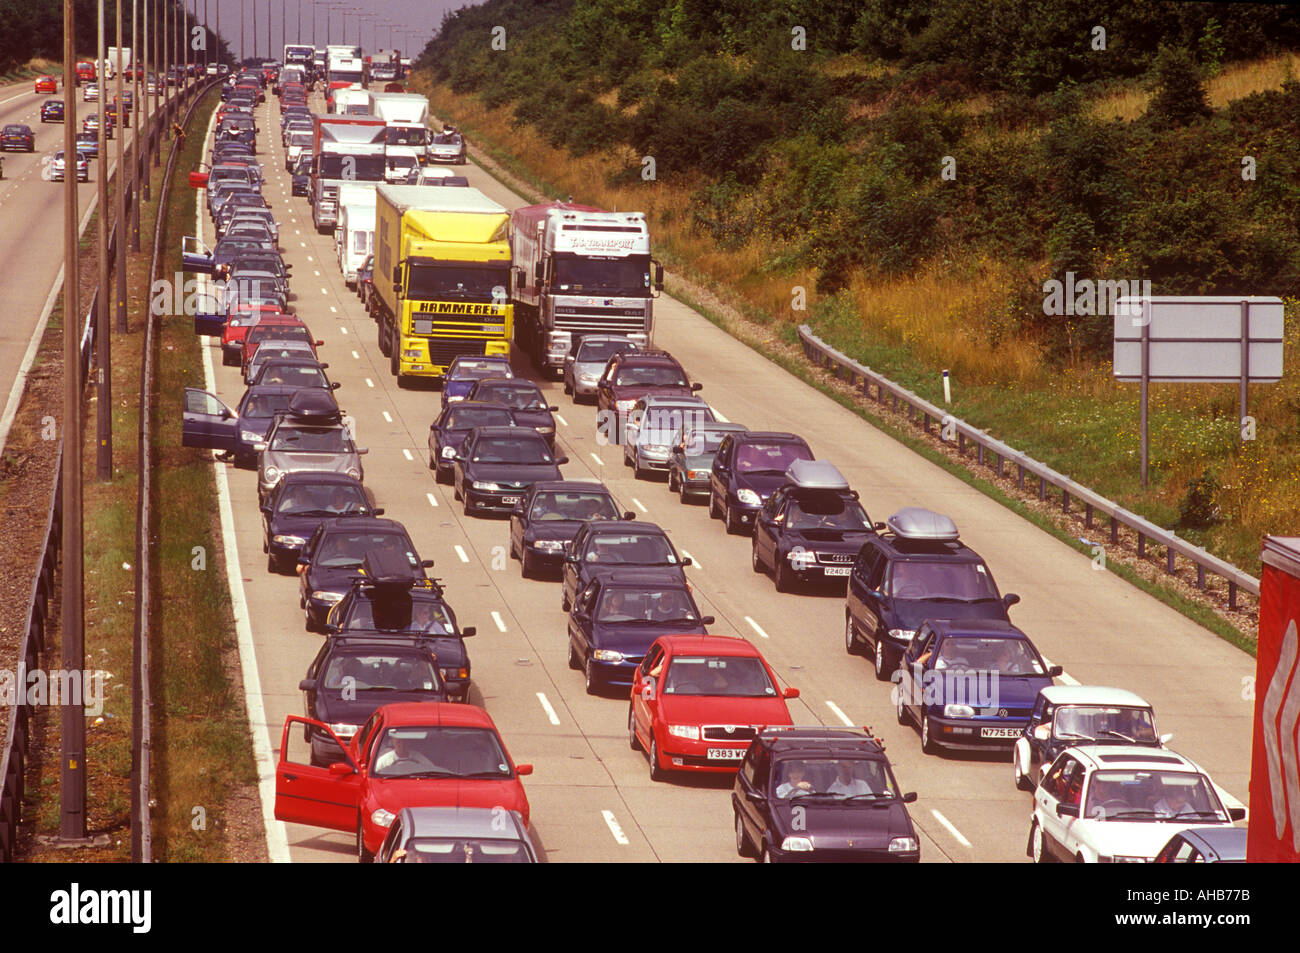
(1007, 657)
(1170, 796)
(513, 450)
(457, 283)
(589, 352)
(941, 579)
(701, 441)
(316, 499)
(636, 549)
(838, 779)
(659, 424)
(297, 375)
(381, 673)
(311, 440)
(573, 505)
(262, 406)
(278, 332)
(299, 137)
(406, 136)
(473, 850)
(16, 130)
(467, 418)
(618, 604)
(1104, 723)
(769, 457)
(514, 396)
(475, 370)
(404, 614)
(652, 375)
(446, 139)
(727, 676)
(347, 549)
(826, 511)
(440, 751)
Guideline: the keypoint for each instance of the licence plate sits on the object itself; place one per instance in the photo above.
(511, 500)
(999, 732)
(726, 754)
(836, 570)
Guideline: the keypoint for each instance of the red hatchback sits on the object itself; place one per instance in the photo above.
(46, 84)
(415, 754)
(699, 700)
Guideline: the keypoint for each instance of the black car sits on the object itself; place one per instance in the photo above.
(302, 501)
(352, 676)
(601, 546)
(17, 136)
(301, 177)
(618, 616)
(454, 423)
(746, 470)
(414, 608)
(334, 555)
(821, 794)
(811, 529)
(545, 521)
(524, 398)
(207, 423)
(495, 465)
(229, 249)
(918, 569)
(52, 110)
(690, 458)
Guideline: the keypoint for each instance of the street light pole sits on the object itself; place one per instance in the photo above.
(137, 161)
(119, 226)
(103, 342)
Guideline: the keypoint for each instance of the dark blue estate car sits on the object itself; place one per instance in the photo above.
(970, 683)
(747, 468)
(448, 432)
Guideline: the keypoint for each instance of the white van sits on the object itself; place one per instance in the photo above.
(354, 237)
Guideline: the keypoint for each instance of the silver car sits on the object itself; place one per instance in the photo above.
(296, 444)
(57, 167)
(586, 361)
(651, 426)
(457, 835)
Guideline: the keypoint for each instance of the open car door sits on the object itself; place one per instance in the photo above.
(208, 423)
(320, 797)
(196, 256)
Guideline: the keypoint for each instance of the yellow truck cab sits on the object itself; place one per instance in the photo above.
(441, 278)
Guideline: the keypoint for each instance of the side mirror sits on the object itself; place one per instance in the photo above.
(378, 511)
(259, 447)
(397, 277)
(790, 693)
(560, 461)
(426, 564)
(909, 797)
(687, 561)
(361, 451)
(468, 631)
(553, 409)
(879, 527)
(1237, 813)
(659, 277)
(1067, 810)
(341, 769)
(697, 386)
(307, 685)
(523, 770)
(708, 620)
(266, 507)
(301, 568)
(1055, 671)
(1042, 733)
(335, 385)
(1010, 599)
(629, 515)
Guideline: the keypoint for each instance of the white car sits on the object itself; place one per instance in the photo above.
(1120, 804)
(651, 424)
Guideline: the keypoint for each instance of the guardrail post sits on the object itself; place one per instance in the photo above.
(1200, 576)
(1232, 594)
(979, 453)
(1042, 487)
(1169, 560)
(1065, 500)
(1087, 516)
(1142, 545)
(961, 443)
(1020, 476)
(998, 458)
(927, 423)
(1114, 530)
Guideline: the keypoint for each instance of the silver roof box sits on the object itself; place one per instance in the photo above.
(816, 475)
(915, 522)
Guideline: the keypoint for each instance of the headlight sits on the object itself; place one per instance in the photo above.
(625, 404)
(343, 729)
(382, 818)
(589, 378)
(609, 655)
(697, 474)
(489, 487)
(1121, 859)
(544, 430)
(748, 497)
(797, 844)
(455, 398)
(655, 448)
(684, 731)
(271, 474)
(549, 546)
(958, 711)
(249, 437)
(289, 540)
(454, 672)
(354, 472)
(323, 595)
(411, 352)
(448, 452)
(901, 844)
(903, 635)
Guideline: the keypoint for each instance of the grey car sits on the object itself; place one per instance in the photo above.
(457, 835)
(690, 459)
(651, 425)
(300, 442)
(586, 361)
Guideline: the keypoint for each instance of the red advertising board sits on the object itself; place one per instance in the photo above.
(1274, 835)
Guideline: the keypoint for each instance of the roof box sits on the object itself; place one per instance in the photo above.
(915, 522)
(384, 568)
(313, 402)
(816, 475)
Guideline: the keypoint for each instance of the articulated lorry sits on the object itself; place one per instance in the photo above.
(580, 270)
(344, 68)
(407, 133)
(441, 279)
(344, 149)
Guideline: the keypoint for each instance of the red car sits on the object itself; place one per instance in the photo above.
(413, 754)
(277, 326)
(46, 84)
(699, 700)
(86, 72)
(244, 317)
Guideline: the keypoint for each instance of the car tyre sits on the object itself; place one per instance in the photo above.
(881, 661)
(755, 563)
(526, 568)
(1021, 779)
(575, 663)
(734, 527)
(783, 574)
(656, 772)
(714, 512)
(632, 741)
(441, 475)
(592, 683)
(1038, 845)
(850, 637)
(901, 709)
(744, 846)
(272, 565)
(682, 495)
(928, 744)
(383, 340)
(363, 856)
(568, 388)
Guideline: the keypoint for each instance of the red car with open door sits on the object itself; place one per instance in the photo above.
(413, 754)
(699, 700)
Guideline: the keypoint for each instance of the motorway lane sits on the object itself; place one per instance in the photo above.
(1101, 629)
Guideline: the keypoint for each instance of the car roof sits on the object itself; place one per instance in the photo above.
(319, 476)
(710, 645)
(1092, 695)
(507, 431)
(768, 436)
(643, 356)
(450, 714)
(574, 486)
(920, 550)
(1122, 757)
(362, 524)
(480, 404)
(519, 383)
(620, 527)
(975, 629)
(801, 741)
(1226, 841)
(478, 822)
(646, 577)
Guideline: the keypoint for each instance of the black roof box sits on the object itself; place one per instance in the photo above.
(313, 402)
(384, 568)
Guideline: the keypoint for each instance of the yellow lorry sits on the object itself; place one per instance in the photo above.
(441, 278)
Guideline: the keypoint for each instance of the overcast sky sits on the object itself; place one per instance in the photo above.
(413, 22)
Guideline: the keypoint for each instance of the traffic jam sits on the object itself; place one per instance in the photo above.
(480, 311)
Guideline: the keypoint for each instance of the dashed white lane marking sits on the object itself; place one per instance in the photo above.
(309, 258)
(334, 310)
(324, 292)
(614, 829)
(407, 453)
(563, 422)
(756, 627)
(960, 838)
(369, 382)
(546, 707)
(358, 357)
(496, 617)
(639, 505)
(342, 329)
(460, 553)
(599, 462)
(317, 274)
(433, 500)
(387, 416)
(303, 244)
(838, 713)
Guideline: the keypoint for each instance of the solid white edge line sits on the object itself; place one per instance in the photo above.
(960, 838)
(496, 617)
(460, 552)
(433, 500)
(612, 823)
(838, 713)
(546, 707)
(277, 838)
(756, 627)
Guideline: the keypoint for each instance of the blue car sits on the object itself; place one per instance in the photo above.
(465, 372)
(970, 683)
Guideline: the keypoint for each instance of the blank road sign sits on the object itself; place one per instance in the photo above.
(1198, 339)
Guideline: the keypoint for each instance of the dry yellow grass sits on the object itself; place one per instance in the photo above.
(1235, 82)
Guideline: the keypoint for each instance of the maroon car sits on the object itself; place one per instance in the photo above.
(631, 375)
